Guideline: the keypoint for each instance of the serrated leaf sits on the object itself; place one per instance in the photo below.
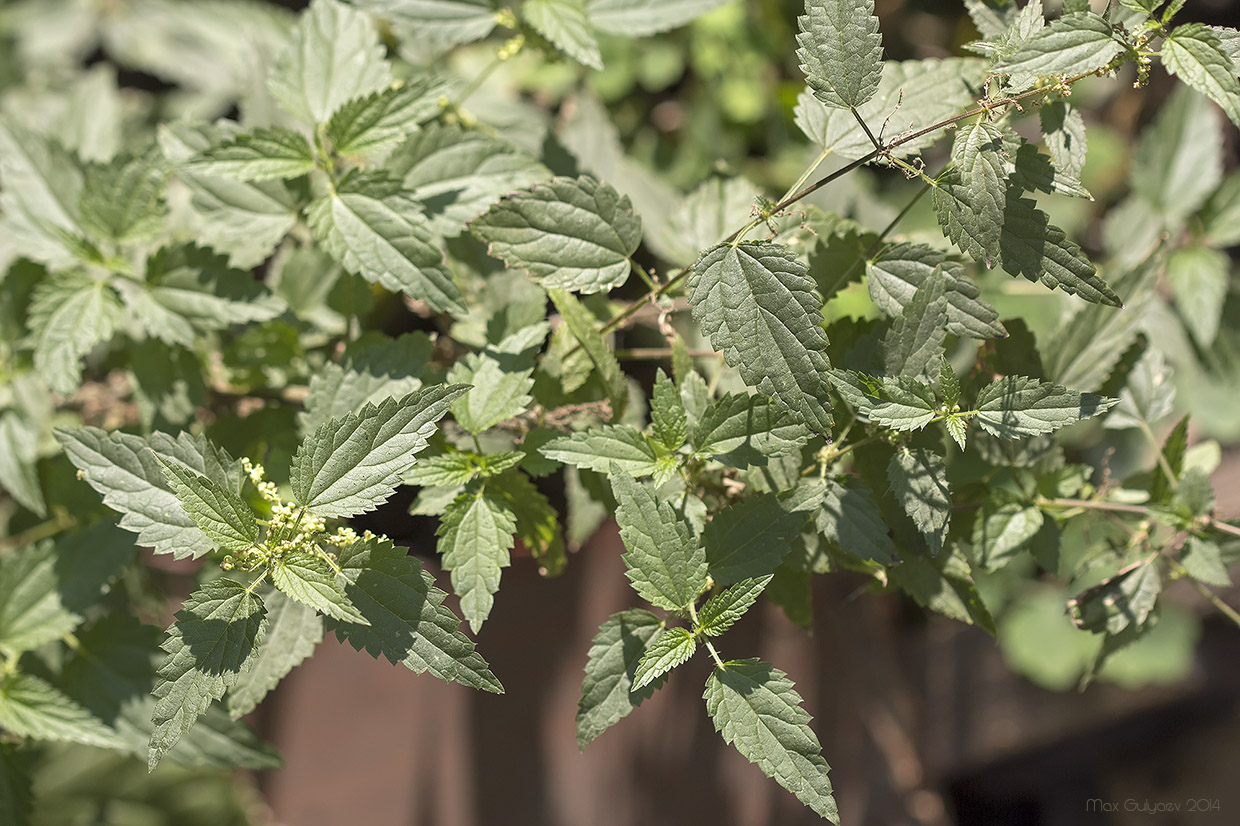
(1200, 278)
(1179, 160)
(334, 55)
(126, 471)
(757, 303)
(584, 328)
(606, 695)
(215, 638)
(538, 522)
(265, 154)
(908, 404)
(475, 537)
(1017, 406)
(1074, 44)
(919, 481)
(409, 624)
(499, 391)
(756, 709)
(598, 449)
(913, 346)
(1194, 53)
(944, 584)
(999, 534)
(308, 578)
(447, 21)
(666, 651)
(378, 231)
(991, 17)
(840, 50)
(69, 315)
(850, 517)
(665, 561)
(1203, 560)
(570, 233)
(122, 200)
(706, 216)
(900, 269)
(750, 539)
(46, 589)
(1148, 395)
(1174, 448)
(390, 368)
(1063, 130)
(725, 608)
(42, 184)
(293, 631)
(1118, 602)
(743, 430)
(639, 18)
(352, 464)
(444, 470)
(667, 413)
(378, 121)
(218, 512)
(564, 23)
(32, 707)
(18, 455)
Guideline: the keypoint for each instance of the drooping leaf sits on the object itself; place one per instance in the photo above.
(840, 50)
(944, 584)
(378, 121)
(1195, 53)
(666, 562)
(32, 707)
(564, 23)
(1148, 395)
(756, 709)
(265, 154)
(217, 511)
(896, 274)
(919, 481)
(743, 430)
(1017, 406)
(725, 608)
(309, 579)
(293, 631)
(913, 346)
(69, 315)
(598, 449)
(475, 537)
(757, 304)
(666, 651)
(1118, 602)
(538, 522)
(1063, 130)
(584, 328)
(1203, 560)
(352, 464)
(606, 692)
(850, 517)
(750, 539)
(639, 18)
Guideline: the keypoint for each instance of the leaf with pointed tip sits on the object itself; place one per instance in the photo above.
(919, 481)
(293, 631)
(743, 430)
(757, 303)
(32, 707)
(584, 328)
(378, 231)
(445, 21)
(475, 537)
(218, 512)
(564, 23)
(334, 55)
(914, 343)
(1000, 533)
(39, 199)
(900, 269)
(267, 153)
(409, 624)
(638, 18)
(979, 156)
(351, 465)
(309, 579)
(908, 404)
(840, 50)
(373, 123)
(1017, 406)
(1148, 395)
(667, 413)
(725, 608)
(1074, 44)
(607, 694)
(498, 391)
(215, 638)
(750, 538)
(755, 707)
(850, 517)
(666, 651)
(944, 584)
(122, 200)
(18, 455)
(1195, 53)
(391, 368)
(69, 315)
(666, 562)
(1063, 131)
(1118, 602)
(599, 448)
(1200, 278)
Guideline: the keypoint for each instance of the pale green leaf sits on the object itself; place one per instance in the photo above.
(706, 216)
(742, 430)
(69, 315)
(1179, 160)
(570, 233)
(725, 608)
(308, 578)
(667, 414)
(1148, 395)
(913, 346)
(1063, 131)
(944, 584)
(896, 273)
(390, 368)
(907, 404)
(1200, 278)
(499, 391)
(758, 305)
(1194, 53)
(378, 231)
(584, 328)
(334, 56)
(1118, 602)
(666, 651)
(445, 470)
(42, 185)
(1017, 406)
(448, 21)
(1074, 44)
(1000, 533)
(564, 23)
(598, 449)
(351, 465)
(991, 17)
(18, 455)
(919, 480)
(606, 695)
(217, 511)
(850, 517)
(1203, 560)
(122, 200)
(377, 122)
(840, 50)
(475, 538)
(1089, 342)
(409, 624)
(293, 631)
(261, 155)
(750, 539)
(665, 561)
(757, 710)
(1220, 216)
(31, 707)
(214, 638)
(638, 18)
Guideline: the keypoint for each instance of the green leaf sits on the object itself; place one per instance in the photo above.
(293, 631)
(1173, 448)
(944, 584)
(1074, 44)
(538, 523)
(334, 56)
(18, 455)
(308, 578)
(907, 404)
(1195, 54)
(570, 233)
(564, 23)
(1017, 406)
(499, 391)
(265, 154)
(667, 413)
(725, 608)
(840, 50)
(742, 430)
(919, 481)
(850, 518)
(757, 710)
(377, 122)
(16, 800)
(409, 624)
(351, 465)
(215, 638)
(913, 346)
(1179, 160)
(218, 512)
(665, 561)
(999, 534)
(979, 156)
(39, 199)
(122, 201)
(756, 303)
(1118, 602)
(991, 17)
(378, 231)
(31, 707)
(1063, 132)
(447, 21)
(127, 473)
(583, 327)
(706, 216)
(598, 449)
(639, 18)
(1203, 560)
(1200, 278)
(606, 695)
(45, 590)
(899, 270)
(1148, 395)
(444, 470)
(666, 651)
(475, 537)
(750, 539)
(389, 369)
(69, 315)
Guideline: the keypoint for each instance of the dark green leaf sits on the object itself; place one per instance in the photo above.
(1018, 406)
(665, 561)
(725, 608)
(751, 538)
(606, 695)
(293, 631)
(377, 122)
(841, 51)
(919, 481)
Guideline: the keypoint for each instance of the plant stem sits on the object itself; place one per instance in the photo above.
(656, 353)
(1138, 510)
(60, 522)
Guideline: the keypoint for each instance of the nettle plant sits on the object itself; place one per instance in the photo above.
(216, 280)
